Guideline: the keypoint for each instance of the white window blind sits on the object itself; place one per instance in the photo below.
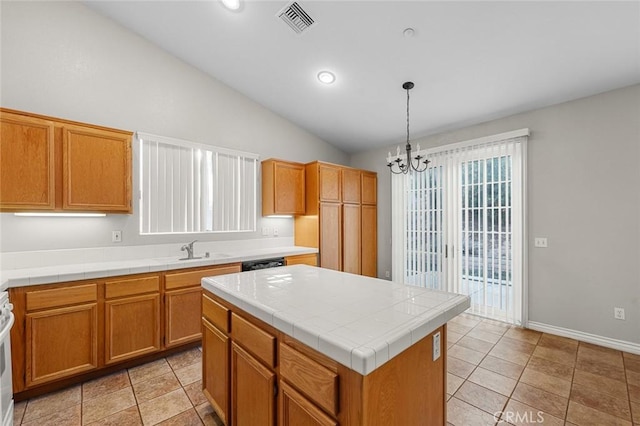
(459, 226)
(186, 187)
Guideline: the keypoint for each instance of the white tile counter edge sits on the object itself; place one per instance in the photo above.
(82, 271)
(342, 337)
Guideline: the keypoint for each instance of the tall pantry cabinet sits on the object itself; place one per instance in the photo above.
(341, 217)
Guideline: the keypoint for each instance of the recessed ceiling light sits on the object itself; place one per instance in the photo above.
(326, 77)
(231, 4)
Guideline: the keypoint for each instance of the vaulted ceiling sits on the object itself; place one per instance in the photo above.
(470, 61)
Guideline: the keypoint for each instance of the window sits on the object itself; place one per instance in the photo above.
(187, 187)
(459, 226)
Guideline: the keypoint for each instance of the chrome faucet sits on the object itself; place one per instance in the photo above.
(189, 249)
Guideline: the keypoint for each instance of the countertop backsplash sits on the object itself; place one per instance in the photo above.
(44, 258)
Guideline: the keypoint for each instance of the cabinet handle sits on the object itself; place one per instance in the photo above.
(275, 389)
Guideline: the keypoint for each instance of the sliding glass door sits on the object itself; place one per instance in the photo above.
(459, 226)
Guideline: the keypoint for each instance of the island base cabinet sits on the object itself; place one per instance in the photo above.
(253, 390)
(215, 374)
(296, 410)
(313, 389)
(408, 390)
(61, 343)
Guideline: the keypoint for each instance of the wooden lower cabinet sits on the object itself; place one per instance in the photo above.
(132, 327)
(312, 389)
(183, 303)
(182, 313)
(302, 259)
(70, 332)
(132, 318)
(296, 410)
(215, 376)
(61, 342)
(253, 390)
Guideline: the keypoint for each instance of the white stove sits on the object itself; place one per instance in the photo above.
(6, 384)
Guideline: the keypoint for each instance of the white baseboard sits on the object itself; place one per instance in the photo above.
(620, 345)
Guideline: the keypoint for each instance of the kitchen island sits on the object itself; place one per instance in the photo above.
(301, 345)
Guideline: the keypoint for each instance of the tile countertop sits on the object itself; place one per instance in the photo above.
(82, 271)
(358, 321)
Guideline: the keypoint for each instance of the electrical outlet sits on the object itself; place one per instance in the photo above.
(540, 242)
(436, 346)
(618, 313)
(265, 231)
(387, 274)
(116, 236)
(275, 232)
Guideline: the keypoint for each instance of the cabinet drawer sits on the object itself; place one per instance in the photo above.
(42, 299)
(131, 287)
(191, 278)
(257, 341)
(316, 381)
(215, 313)
(302, 259)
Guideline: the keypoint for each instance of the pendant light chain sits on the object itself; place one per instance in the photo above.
(407, 115)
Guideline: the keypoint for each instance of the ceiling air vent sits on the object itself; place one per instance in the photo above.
(296, 17)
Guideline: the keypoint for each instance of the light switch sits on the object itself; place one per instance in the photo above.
(540, 242)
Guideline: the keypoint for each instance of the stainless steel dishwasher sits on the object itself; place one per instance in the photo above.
(253, 265)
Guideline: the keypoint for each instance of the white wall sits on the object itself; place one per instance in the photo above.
(64, 60)
(583, 195)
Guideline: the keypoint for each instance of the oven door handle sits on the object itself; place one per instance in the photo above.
(4, 334)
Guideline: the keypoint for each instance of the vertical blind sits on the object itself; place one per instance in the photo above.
(187, 187)
(459, 226)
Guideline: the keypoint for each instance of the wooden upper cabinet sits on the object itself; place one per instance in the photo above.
(369, 188)
(59, 165)
(96, 169)
(283, 188)
(351, 187)
(329, 189)
(27, 175)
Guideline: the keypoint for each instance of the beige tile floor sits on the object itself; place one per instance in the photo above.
(525, 376)
(165, 392)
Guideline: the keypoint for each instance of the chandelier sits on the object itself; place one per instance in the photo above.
(399, 164)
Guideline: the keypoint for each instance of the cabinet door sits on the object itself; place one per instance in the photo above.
(252, 390)
(351, 238)
(27, 171)
(369, 188)
(61, 342)
(329, 183)
(96, 170)
(351, 186)
(283, 188)
(331, 236)
(182, 310)
(296, 410)
(132, 327)
(370, 241)
(215, 380)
